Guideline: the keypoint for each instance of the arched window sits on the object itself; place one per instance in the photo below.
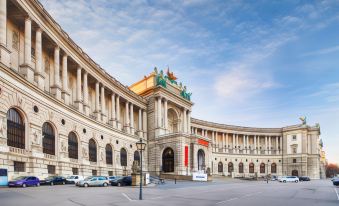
(72, 146)
(273, 168)
(241, 167)
(220, 167)
(262, 168)
(168, 160)
(137, 157)
(109, 154)
(15, 129)
(92, 150)
(201, 159)
(251, 168)
(230, 167)
(123, 157)
(172, 119)
(48, 139)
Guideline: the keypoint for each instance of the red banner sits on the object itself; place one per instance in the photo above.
(203, 142)
(186, 156)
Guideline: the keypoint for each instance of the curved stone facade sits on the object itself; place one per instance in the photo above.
(45, 78)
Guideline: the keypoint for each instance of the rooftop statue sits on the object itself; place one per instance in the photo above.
(303, 120)
(170, 76)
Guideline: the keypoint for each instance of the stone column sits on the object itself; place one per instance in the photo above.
(4, 52)
(144, 123)
(196, 131)
(38, 75)
(213, 142)
(243, 144)
(185, 121)
(140, 123)
(113, 114)
(223, 142)
(127, 123)
(65, 94)
(226, 142)
(56, 90)
(159, 112)
(237, 143)
(189, 121)
(26, 68)
(276, 145)
(266, 145)
(281, 145)
(132, 119)
(97, 99)
(269, 145)
(165, 115)
(86, 106)
(234, 145)
(118, 112)
(248, 144)
(103, 105)
(255, 144)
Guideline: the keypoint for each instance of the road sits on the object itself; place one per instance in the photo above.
(218, 193)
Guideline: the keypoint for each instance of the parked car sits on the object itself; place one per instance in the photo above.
(289, 179)
(334, 178)
(113, 178)
(124, 181)
(94, 181)
(274, 178)
(304, 178)
(53, 180)
(74, 179)
(336, 182)
(24, 181)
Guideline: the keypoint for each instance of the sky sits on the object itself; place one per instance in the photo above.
(248, 63)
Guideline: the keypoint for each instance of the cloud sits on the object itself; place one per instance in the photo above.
(322, 51)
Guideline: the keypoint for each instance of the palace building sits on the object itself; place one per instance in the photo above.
(61, 113)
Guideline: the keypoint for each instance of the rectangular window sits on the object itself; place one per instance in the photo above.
(94, 172)
(294, 160)
(51, 169)
(110, 173)
(294, 137)
(75, 171)
(19, 167)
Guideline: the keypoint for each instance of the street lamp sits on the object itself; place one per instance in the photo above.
(141, 147)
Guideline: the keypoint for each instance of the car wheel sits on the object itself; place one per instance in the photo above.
(52, 183)
(38, 184)
(86, 185)
(24, 185)
(284, 181)
(296, 181)
(105, 184)
(63, 183)
(119, 184)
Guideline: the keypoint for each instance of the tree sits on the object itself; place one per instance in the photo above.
(332, 170)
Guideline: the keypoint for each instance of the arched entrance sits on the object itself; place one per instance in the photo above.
(201, 159)
(262, 168)
(168, 160)
(220, 167)
(241, 167)
(295, 173)
(273, 168)
(251, 168)
(230, 167)
(172, 119)
(48, 139)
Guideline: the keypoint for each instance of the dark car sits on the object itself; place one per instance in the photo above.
(24, 181)
(53, 180)
(304, 178)
(113, 178)
(336, 182)
(123, 181)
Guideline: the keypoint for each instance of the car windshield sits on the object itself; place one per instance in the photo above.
(70, 177)
(20, 178)
(50, 178)
(88, 178)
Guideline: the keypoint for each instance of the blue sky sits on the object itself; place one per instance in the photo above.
(249, 63)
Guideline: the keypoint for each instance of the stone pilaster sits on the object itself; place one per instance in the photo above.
(56, 89)
(5, 53)
(26, 68)
(86, 106)
(103, 105)
(65, 93)
(38, 75)
(132, 119)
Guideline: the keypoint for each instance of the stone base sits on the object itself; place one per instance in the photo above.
(5, 55)
(56, 91)
(136, 180)
(27, 71)
(40, 79)
(79, 105)
(65, 95)
(86, 109)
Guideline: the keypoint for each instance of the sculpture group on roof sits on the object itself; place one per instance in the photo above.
(162, 79)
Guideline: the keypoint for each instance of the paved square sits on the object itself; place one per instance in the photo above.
(220, 192)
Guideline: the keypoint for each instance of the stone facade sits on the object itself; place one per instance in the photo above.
(46, 79)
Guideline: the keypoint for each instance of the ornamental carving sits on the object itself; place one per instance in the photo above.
(84, 152)
(101, 156)
(2, 126)
(63, 146)
(19, 99)
(36, 138)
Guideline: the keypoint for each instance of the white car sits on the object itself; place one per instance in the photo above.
(289, 179)
(74, 179)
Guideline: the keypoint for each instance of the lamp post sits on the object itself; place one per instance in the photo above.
(141, 146)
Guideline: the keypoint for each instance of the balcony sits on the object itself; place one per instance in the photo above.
(48, 156)
(18, 151)
(73, 160)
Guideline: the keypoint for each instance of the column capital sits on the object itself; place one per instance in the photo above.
(39, 29)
